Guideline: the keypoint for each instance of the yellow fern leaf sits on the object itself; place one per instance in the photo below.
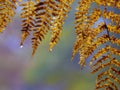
(60, 10)
(102, 38)
(7, 10)
(28, 15)
(83, 31)
(42, 23)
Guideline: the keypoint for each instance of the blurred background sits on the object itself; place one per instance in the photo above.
(45, 70)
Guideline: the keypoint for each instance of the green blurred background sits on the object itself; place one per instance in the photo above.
(46, 70)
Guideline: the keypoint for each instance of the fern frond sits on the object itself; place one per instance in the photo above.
(112, 16)
(101, 42)
(7, 10)
(50, 15)
(95, 40)
(101, 66)
(110, 86)
(60, 12)
(102, 74)
(109, 50)
(28, 21)
(115, 71)
(99, 61)
(116, 62)
(114, 28)
(83, 31)
(42, 22)
(100, 53)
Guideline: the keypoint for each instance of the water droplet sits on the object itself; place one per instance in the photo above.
(50, 49)
(21, 46)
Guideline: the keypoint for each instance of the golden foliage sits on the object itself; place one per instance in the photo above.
(28, 14)
(7, 10)
(41, 17)
(42, 23)
(93, 38)
(60, 11)
(99, 41)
